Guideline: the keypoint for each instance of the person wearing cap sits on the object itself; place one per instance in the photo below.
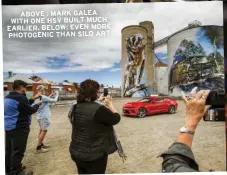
(43, 116)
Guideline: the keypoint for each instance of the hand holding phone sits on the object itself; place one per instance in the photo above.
(106, 93)
(101, 97)
(107, 101)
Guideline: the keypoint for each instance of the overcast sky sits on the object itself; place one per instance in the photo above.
(101, 54)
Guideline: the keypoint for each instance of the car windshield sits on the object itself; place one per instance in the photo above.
(145, 100)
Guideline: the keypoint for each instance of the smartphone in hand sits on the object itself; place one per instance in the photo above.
(106, 93)
(215, 114)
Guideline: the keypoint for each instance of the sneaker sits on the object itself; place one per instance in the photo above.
(42, 150)
(25, 173)
(45, 146)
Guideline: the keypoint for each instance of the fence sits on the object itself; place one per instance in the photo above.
(63, 95)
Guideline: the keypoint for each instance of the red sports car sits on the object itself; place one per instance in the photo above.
(150, 105)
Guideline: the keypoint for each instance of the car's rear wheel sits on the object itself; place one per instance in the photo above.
(172, 110)
(142, 112)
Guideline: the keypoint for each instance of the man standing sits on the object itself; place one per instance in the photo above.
(17, 119)
(43, 116)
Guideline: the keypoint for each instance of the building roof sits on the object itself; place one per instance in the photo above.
(56, 86)
(67, 84)
(12, 78)
(160, 64)
(53, 83)
(43, 81)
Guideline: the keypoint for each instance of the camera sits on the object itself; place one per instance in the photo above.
(216, 98)
(217, 110)
(215, 114)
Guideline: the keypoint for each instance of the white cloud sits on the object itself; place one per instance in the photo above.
(115, 69)
(101, 53)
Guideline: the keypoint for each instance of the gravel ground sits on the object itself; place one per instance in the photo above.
(142, 139)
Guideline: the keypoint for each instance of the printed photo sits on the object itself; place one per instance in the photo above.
(64, 65)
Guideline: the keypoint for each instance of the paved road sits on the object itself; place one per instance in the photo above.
(143, 140)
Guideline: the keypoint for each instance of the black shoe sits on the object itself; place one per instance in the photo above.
(25, 173)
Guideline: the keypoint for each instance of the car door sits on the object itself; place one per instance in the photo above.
(150, 107)
(159, 105)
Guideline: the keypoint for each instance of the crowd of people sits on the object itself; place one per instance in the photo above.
(93, 138)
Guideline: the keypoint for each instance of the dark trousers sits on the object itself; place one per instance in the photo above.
(15, 146)
(91, 167)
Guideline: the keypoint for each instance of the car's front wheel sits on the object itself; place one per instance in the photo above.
(172, 110)
(142, 112)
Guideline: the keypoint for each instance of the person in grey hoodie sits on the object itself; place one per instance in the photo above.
(43, 117)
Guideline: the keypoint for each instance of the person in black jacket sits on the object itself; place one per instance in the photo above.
(179, 157)
(17, 118)
(92, 129)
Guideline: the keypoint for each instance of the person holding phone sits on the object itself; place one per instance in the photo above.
(17, 119)
(92, 129)
(43, 117)
(179, 157)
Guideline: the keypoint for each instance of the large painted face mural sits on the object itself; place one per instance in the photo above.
(134, 68)
(196, 59)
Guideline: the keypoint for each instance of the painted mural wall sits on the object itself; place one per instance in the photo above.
(196, 58)
(135, 75)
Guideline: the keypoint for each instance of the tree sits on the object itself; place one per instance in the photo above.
(35, 78)
(76, 85)
(67, 81)
(215, 36)
(102, 86)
